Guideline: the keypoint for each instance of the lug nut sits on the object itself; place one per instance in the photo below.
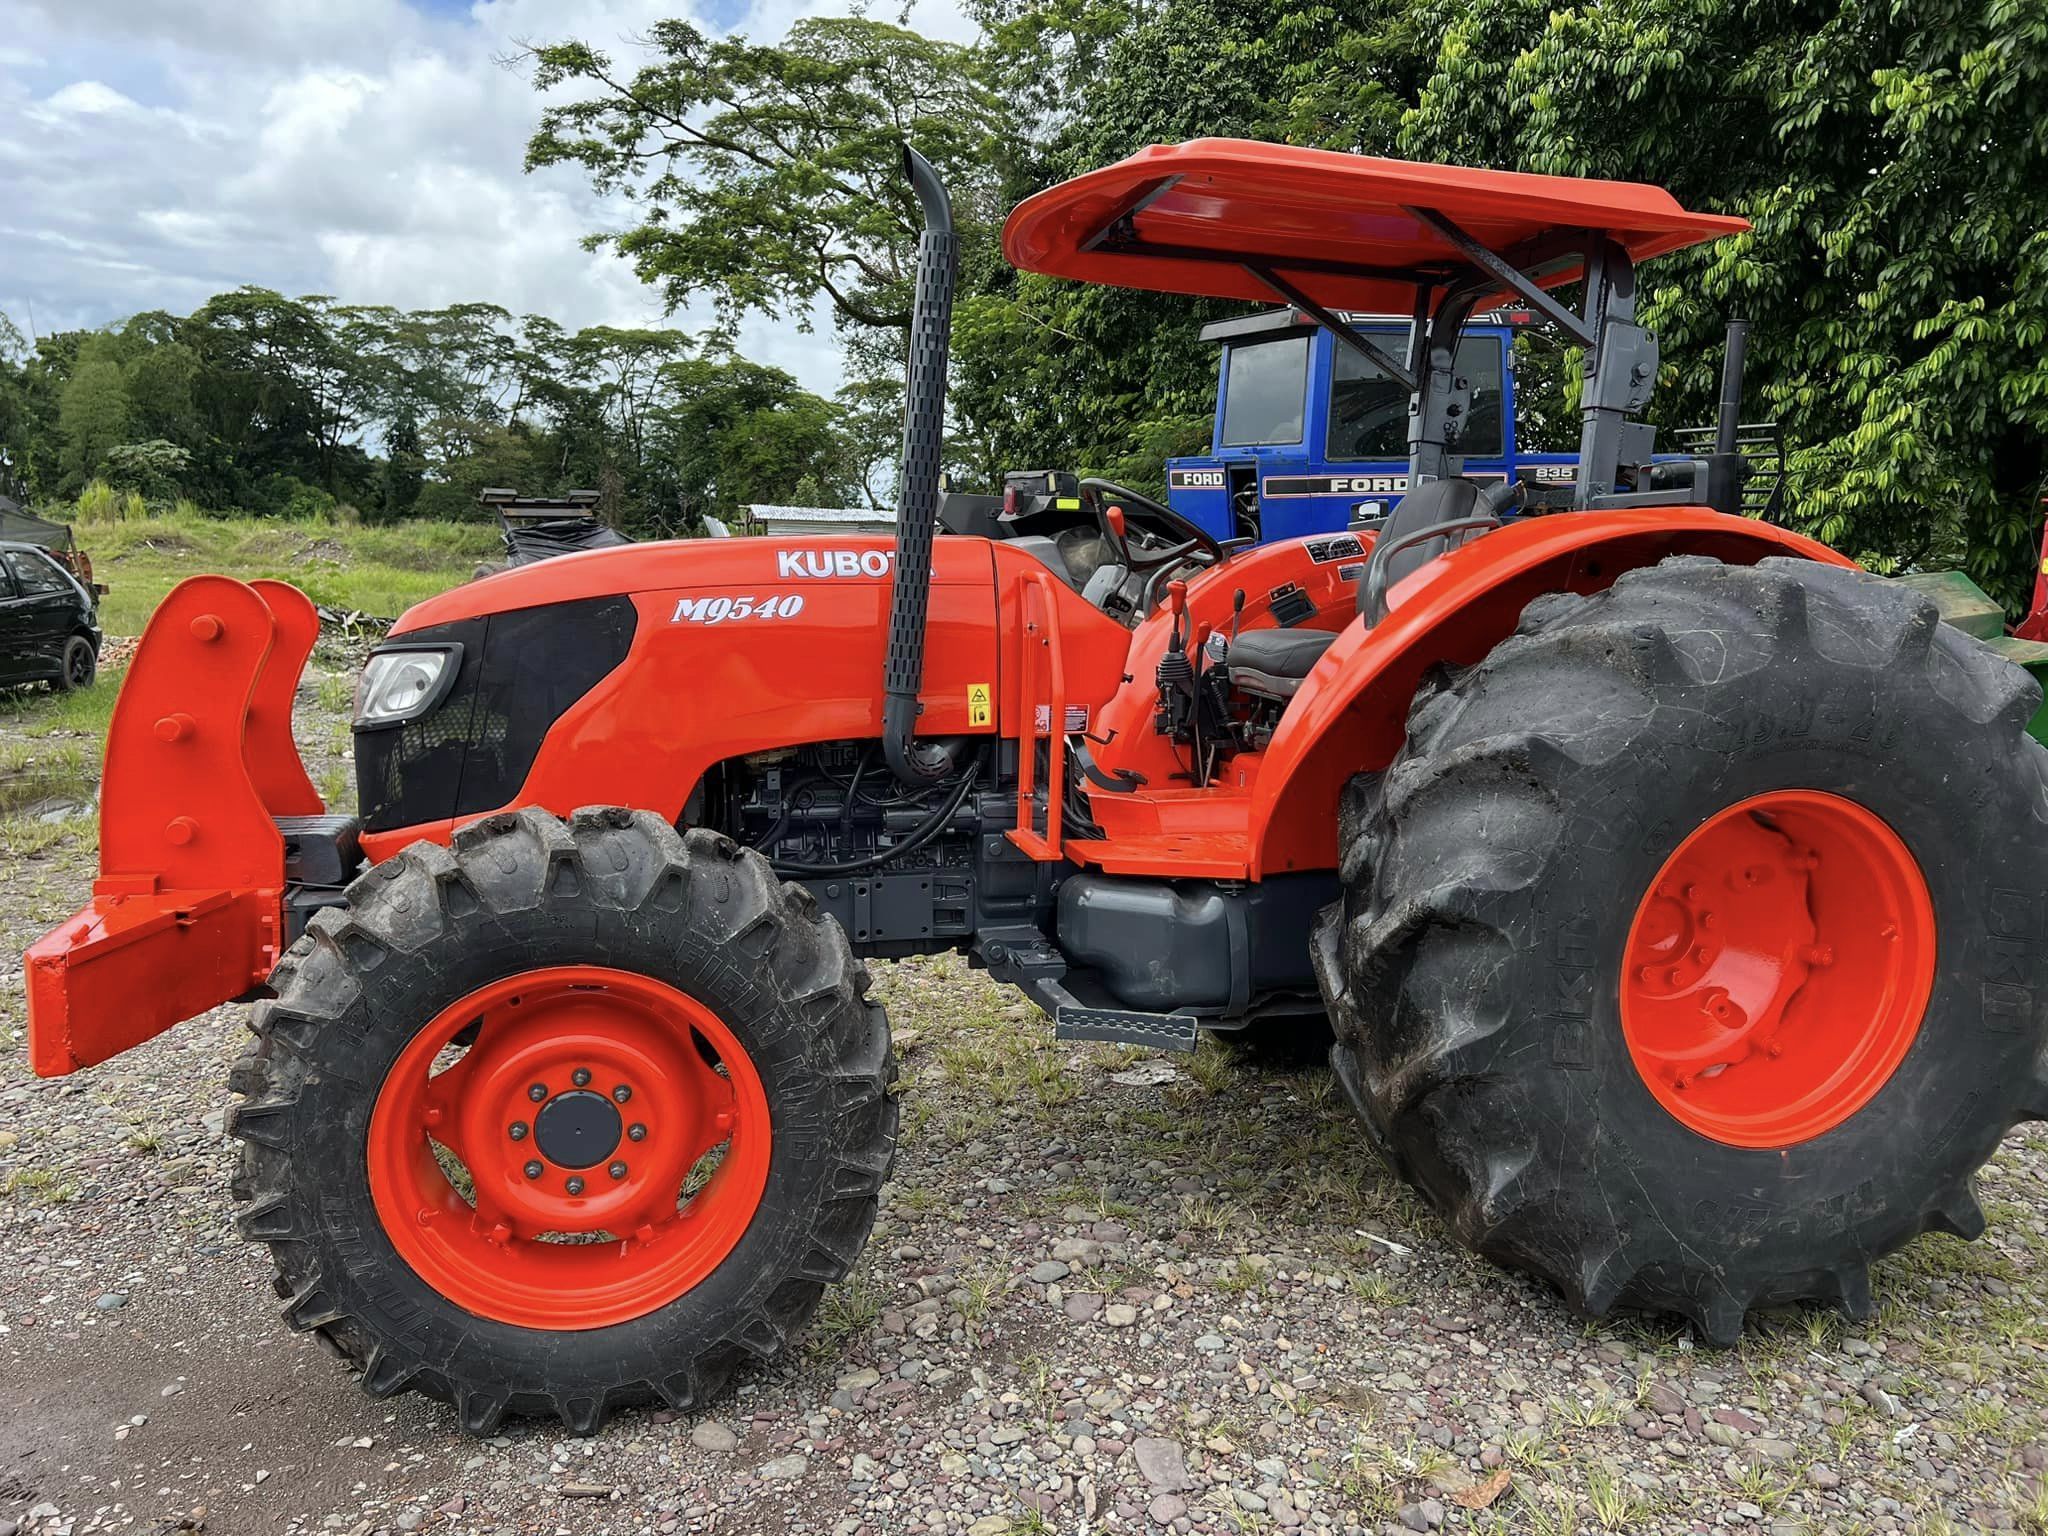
(580, 1077)
(518, 1130)
(534, 1170)
(636, 1133)
(574, 1186)
(621, 1093)
(537, 1092)
(617, 1170)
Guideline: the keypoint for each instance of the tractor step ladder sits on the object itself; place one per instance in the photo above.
(1023, 957)
(1118, 1026)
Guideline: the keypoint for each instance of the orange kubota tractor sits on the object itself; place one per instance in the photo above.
(1674, 890)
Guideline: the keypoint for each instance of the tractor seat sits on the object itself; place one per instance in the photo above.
(1272, 662)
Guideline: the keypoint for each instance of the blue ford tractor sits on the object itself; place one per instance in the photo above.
(1311, 434)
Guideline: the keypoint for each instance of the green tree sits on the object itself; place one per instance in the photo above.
(92, 412)
(1108, 380)
(771, 175)
(1891, 160)
(729, 432)
(404, 468)
(154, 468)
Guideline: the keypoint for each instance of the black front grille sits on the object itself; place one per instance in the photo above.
(520, 672)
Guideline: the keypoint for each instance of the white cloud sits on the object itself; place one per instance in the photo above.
(88, 98)
(155, 152)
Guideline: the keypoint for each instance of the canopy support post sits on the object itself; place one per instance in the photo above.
(1338, 326)
(1536, 297)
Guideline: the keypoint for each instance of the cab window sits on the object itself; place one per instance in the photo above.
(33, 575)
(1369, 411)
(1265, 388)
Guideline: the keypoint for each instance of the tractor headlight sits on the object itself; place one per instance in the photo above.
(402, 683)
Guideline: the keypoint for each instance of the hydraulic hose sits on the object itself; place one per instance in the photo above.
(931, 828)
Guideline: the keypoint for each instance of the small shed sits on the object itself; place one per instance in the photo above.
(815, 520)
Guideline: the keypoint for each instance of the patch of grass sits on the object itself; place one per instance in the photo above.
(980, 1292)
(1981, 1417)
(1379, 1290)
(1212, 1068)
(1587, 1413)
(1213, 1218)
(1009, 1070)
(2032, 1511)
(38, 1186)
(337, 693)
(1765, 1488)
(1616, 1503)
(846, 1312)
(381, 571)
(28, 837)
(1242, 1277)
(1555, 1512)
(42, 717)
(1529, 1450)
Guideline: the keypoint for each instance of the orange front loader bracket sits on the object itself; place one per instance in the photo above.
(187, 912)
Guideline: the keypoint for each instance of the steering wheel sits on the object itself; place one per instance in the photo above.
(1189, 540)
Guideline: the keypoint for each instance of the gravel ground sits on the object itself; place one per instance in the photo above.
(1106, 1293)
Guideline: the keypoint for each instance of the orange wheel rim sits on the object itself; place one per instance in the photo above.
(1778, 969)
(611, 1132)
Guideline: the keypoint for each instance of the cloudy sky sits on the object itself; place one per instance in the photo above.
(156, 152)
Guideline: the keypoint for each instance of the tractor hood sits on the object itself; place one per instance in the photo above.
(659, 659)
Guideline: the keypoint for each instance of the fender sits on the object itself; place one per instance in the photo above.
(1352, 711)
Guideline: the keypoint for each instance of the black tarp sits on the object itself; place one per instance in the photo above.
(24, 527)
(528, 540)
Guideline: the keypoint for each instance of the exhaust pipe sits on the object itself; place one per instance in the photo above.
(917, 765)
(1731, 387)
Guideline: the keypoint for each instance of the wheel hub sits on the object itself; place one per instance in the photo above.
(1777, 969)
(578, 1129)
(612, 1138)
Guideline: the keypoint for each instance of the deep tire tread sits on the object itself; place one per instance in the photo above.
(509, 863)
(1419, 915)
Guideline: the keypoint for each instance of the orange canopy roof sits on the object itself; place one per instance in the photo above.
(1186, 218)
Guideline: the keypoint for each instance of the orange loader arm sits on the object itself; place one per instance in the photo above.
(187, 912)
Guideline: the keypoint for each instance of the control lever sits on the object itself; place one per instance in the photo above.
(1175, 676)
(1236, 613)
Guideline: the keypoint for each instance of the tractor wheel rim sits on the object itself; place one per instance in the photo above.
(1778, 968)
(585, 1117)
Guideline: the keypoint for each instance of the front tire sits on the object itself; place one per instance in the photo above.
(570, 1118)
(1535, 1008)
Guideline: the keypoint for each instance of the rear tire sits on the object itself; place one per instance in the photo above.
(1475, 964)
(522, 896)
(80, 665)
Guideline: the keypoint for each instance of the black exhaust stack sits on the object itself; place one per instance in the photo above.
(1727, 468)
(1731, 386)
(917, 483)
